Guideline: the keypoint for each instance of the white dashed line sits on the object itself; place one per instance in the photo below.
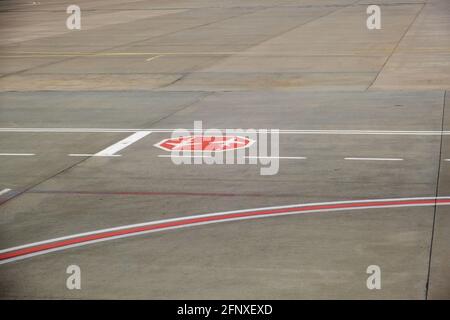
(262, 157)
(17, 154)
(92, 155)
(375, 159)
(246, 157)
(177, 156)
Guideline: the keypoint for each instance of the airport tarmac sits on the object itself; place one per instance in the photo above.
(364, 149)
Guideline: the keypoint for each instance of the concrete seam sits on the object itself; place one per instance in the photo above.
(427, 286)
(395, 48)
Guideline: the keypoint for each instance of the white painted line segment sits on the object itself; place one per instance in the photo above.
(375, 159)
(246, 157)
(153, 58)
(178, 156)
(51, 245)
(267, 157)
(116, 147)
(4, 191)
(17, 154)
(92, 155)
(122, 144)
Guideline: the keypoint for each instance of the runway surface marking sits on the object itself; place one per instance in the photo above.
(187, 156)
(4, 191)
(207, 156)
(245, 157)
(281, 131)
(81, 239)
(375, 159)
(153, 58)
(122, 144)
(49, 54)
(92, 155)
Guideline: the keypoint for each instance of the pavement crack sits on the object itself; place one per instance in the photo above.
(427, 286)
(395, 48)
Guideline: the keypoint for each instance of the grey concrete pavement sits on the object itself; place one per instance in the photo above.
(288, 65)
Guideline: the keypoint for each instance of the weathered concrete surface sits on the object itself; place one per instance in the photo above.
(421, 60)
(290, 65)
(223, 47)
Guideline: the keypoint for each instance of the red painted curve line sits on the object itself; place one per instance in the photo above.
(12, 254)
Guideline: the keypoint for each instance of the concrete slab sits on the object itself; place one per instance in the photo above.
(248, 260)
(421, 60)
(142, 185)
(375, 97)
(61, 109)
(349, 38)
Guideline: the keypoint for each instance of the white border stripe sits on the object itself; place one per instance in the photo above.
(197, 224)
(239, 211)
